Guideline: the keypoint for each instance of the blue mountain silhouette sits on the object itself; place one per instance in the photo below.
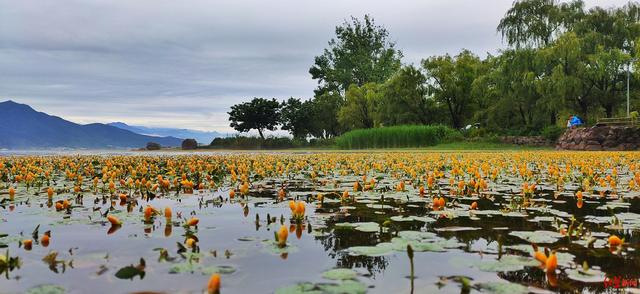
(22, 127)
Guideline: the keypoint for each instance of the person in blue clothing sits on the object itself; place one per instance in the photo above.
(575, 121)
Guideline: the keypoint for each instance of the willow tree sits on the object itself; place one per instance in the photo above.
(536, 23)
(450, 81)
(565, 84)
(358, 111)
(605, 70)
(404, 99)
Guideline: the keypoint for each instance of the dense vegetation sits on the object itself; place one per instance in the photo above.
(397, 137)
(560, 59)
(270, 142)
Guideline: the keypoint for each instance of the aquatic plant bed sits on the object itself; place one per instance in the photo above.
(502, 222)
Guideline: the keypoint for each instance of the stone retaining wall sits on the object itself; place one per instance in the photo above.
(529, 140)
(600, 138)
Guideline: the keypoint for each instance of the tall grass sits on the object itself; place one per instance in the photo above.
(397, 137)
(257, 143)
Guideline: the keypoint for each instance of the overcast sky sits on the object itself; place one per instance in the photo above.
(184, 63)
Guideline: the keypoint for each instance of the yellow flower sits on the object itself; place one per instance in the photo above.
(193, 221)
(283, 233)
(552, 262)
(615, 241)
(45, 240)
(27, 244)
(190, 242)
(114, 220)
(213, 287)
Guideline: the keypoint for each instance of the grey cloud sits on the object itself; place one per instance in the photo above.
(183, 63)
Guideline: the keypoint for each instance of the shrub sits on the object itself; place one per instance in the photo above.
(477, 132)
(153, 146)
(189, 144)
(552, 133)
(397, 137)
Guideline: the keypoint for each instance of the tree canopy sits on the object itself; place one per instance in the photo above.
(361, 53)
(258, 114)
(560, 59)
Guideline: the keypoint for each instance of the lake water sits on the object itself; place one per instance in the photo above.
(457, 248)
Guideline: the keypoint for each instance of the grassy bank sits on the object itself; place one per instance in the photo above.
(469, 145)
(268, 143)
(407, 137)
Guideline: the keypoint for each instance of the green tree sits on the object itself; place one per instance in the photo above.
(324, 115)
(361, 53)
(295, 117)
(450, 81)
(358, 111)
(404, 99)
(486, 90)
(259, 114)
(536, 23)
(564, 84)
(519, 73)
(611, 28)
(605, 70)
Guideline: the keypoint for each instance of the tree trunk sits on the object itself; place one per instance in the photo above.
(454, 119)
(608, 109)
(261, 135)
(583, 109)
(522, 116)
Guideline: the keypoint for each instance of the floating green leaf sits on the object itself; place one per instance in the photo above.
(378, 250)
(340, 274)
(503, 288)
(538, 237)
(47, 289)
(589, 276)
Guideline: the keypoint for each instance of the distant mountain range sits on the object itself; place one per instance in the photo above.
(201, 136)
(21, 127)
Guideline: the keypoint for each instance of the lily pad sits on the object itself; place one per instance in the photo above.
(47, 289)
(424, 219)
(368, 227)
(450, 243)
(273, 247)
(378, 250)
(538, 237)
(345, 287)
(507, 263)
(400, 244)
(192, 267)
(589, 276)
(503, 288)
(301, 288)
(456, 229)
(340, 274)
(416, 235)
